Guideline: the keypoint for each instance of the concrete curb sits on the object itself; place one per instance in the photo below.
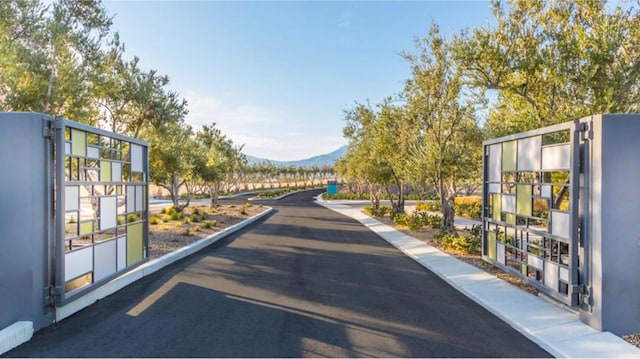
(558, 331)
(149, 268)
(14, 335)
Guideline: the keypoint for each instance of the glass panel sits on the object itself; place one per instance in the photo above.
(491, 245)
(86, 228)
(529, 153)
(496, 205)
(71, 194)
(78, 143)
(122, 253)
(105, 171)
(77, 263)
(556, 157)
(494, 163)
(108, 209)
(116, 173)
(509, 156)
(523, 193)
(134, 243)
(105, 260)
(136, 158)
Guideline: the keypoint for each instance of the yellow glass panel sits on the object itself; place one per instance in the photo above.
(144, 198)
(86, 228)
(509, 155)
(523, 268)
(134, 243)
(491, 245)
(105, 171)
(78, 143)
(118, 189)
(496, 206)
(511, 218)
(524, 200)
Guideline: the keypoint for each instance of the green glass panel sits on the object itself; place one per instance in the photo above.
(78, 143)
(491, 246)
(134, 243)
(105, 171)
(496, 206)
(524, 200)
(509, 155)
(511, 218)
(86, 228)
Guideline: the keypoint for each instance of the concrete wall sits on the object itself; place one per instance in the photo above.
(24, 212)
(613, 223)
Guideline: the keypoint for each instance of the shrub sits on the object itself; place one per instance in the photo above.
(196, 228)
(153, 219)
(195, 218)
(206, 224)
(428, 206)
(131, 218)
(243, 211)
(163, 211)
(413, 221)
(469, 206)
(174, 216)
(464, 244)
(166, 218)
(432, 220)
(187, 232)
(164, 228)
(196, 211)
(187, 220)
(379, 212)
(177, 224)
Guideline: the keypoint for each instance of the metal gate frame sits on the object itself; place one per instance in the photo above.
(513, 238)
(101, 179)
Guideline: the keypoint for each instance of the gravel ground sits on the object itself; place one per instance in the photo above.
(166, 237)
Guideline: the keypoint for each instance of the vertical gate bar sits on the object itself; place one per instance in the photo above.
(573, 218)
(59, 211)
(485, 204)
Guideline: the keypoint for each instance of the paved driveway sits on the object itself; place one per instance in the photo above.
(304, 282)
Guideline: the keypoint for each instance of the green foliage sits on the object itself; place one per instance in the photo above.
(131, 218)
(196, 228)
(471, 244)
(470, 206)
(187, 220)
(380, 212)
(174, 216)
(428, 206)
(187, 231)
(196, 211)
(153, 219)
(166, 218)
(195, 218)
(243, 211)
(413, 221)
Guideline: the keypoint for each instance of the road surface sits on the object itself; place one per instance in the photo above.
(303, 282)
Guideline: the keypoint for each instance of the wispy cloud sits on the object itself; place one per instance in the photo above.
(268, 133)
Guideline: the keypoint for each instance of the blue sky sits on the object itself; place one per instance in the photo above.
(277, 76)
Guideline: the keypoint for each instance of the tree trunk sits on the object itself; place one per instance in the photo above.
(448, 213)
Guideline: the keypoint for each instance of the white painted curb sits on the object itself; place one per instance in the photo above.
(150, 267)
(14, 335)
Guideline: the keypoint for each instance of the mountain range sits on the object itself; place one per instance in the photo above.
(328, 159)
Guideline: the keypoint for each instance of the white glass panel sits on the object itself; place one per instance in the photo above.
(534, 261)
(545, 191)
(122, 253)
(494, 187)
(139, 198)
(131, 199)
(108, 208)
(495, 162)
(67, 148)
(86, 209)
(116, 172)
(560, 224)
(71, 198)
(136, 158)
(501, 252)
(564, 274)
(551, 275)
(93, 152)
(105, 261)
(508, 203)
(78, 263)
(529, 153)
(556, 157)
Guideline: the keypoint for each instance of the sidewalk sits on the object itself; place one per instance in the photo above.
(558, 331)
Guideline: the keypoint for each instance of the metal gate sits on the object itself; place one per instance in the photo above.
(531, 187)
(101, 207)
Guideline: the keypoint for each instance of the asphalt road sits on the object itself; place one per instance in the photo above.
(303, 282)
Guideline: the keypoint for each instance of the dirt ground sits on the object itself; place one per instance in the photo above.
(166, 237)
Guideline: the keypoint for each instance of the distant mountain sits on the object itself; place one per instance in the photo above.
(328, 159)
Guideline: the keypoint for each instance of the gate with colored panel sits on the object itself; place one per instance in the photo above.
(74, 210)
(561, 207)
(531, 190)
(101, 183)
